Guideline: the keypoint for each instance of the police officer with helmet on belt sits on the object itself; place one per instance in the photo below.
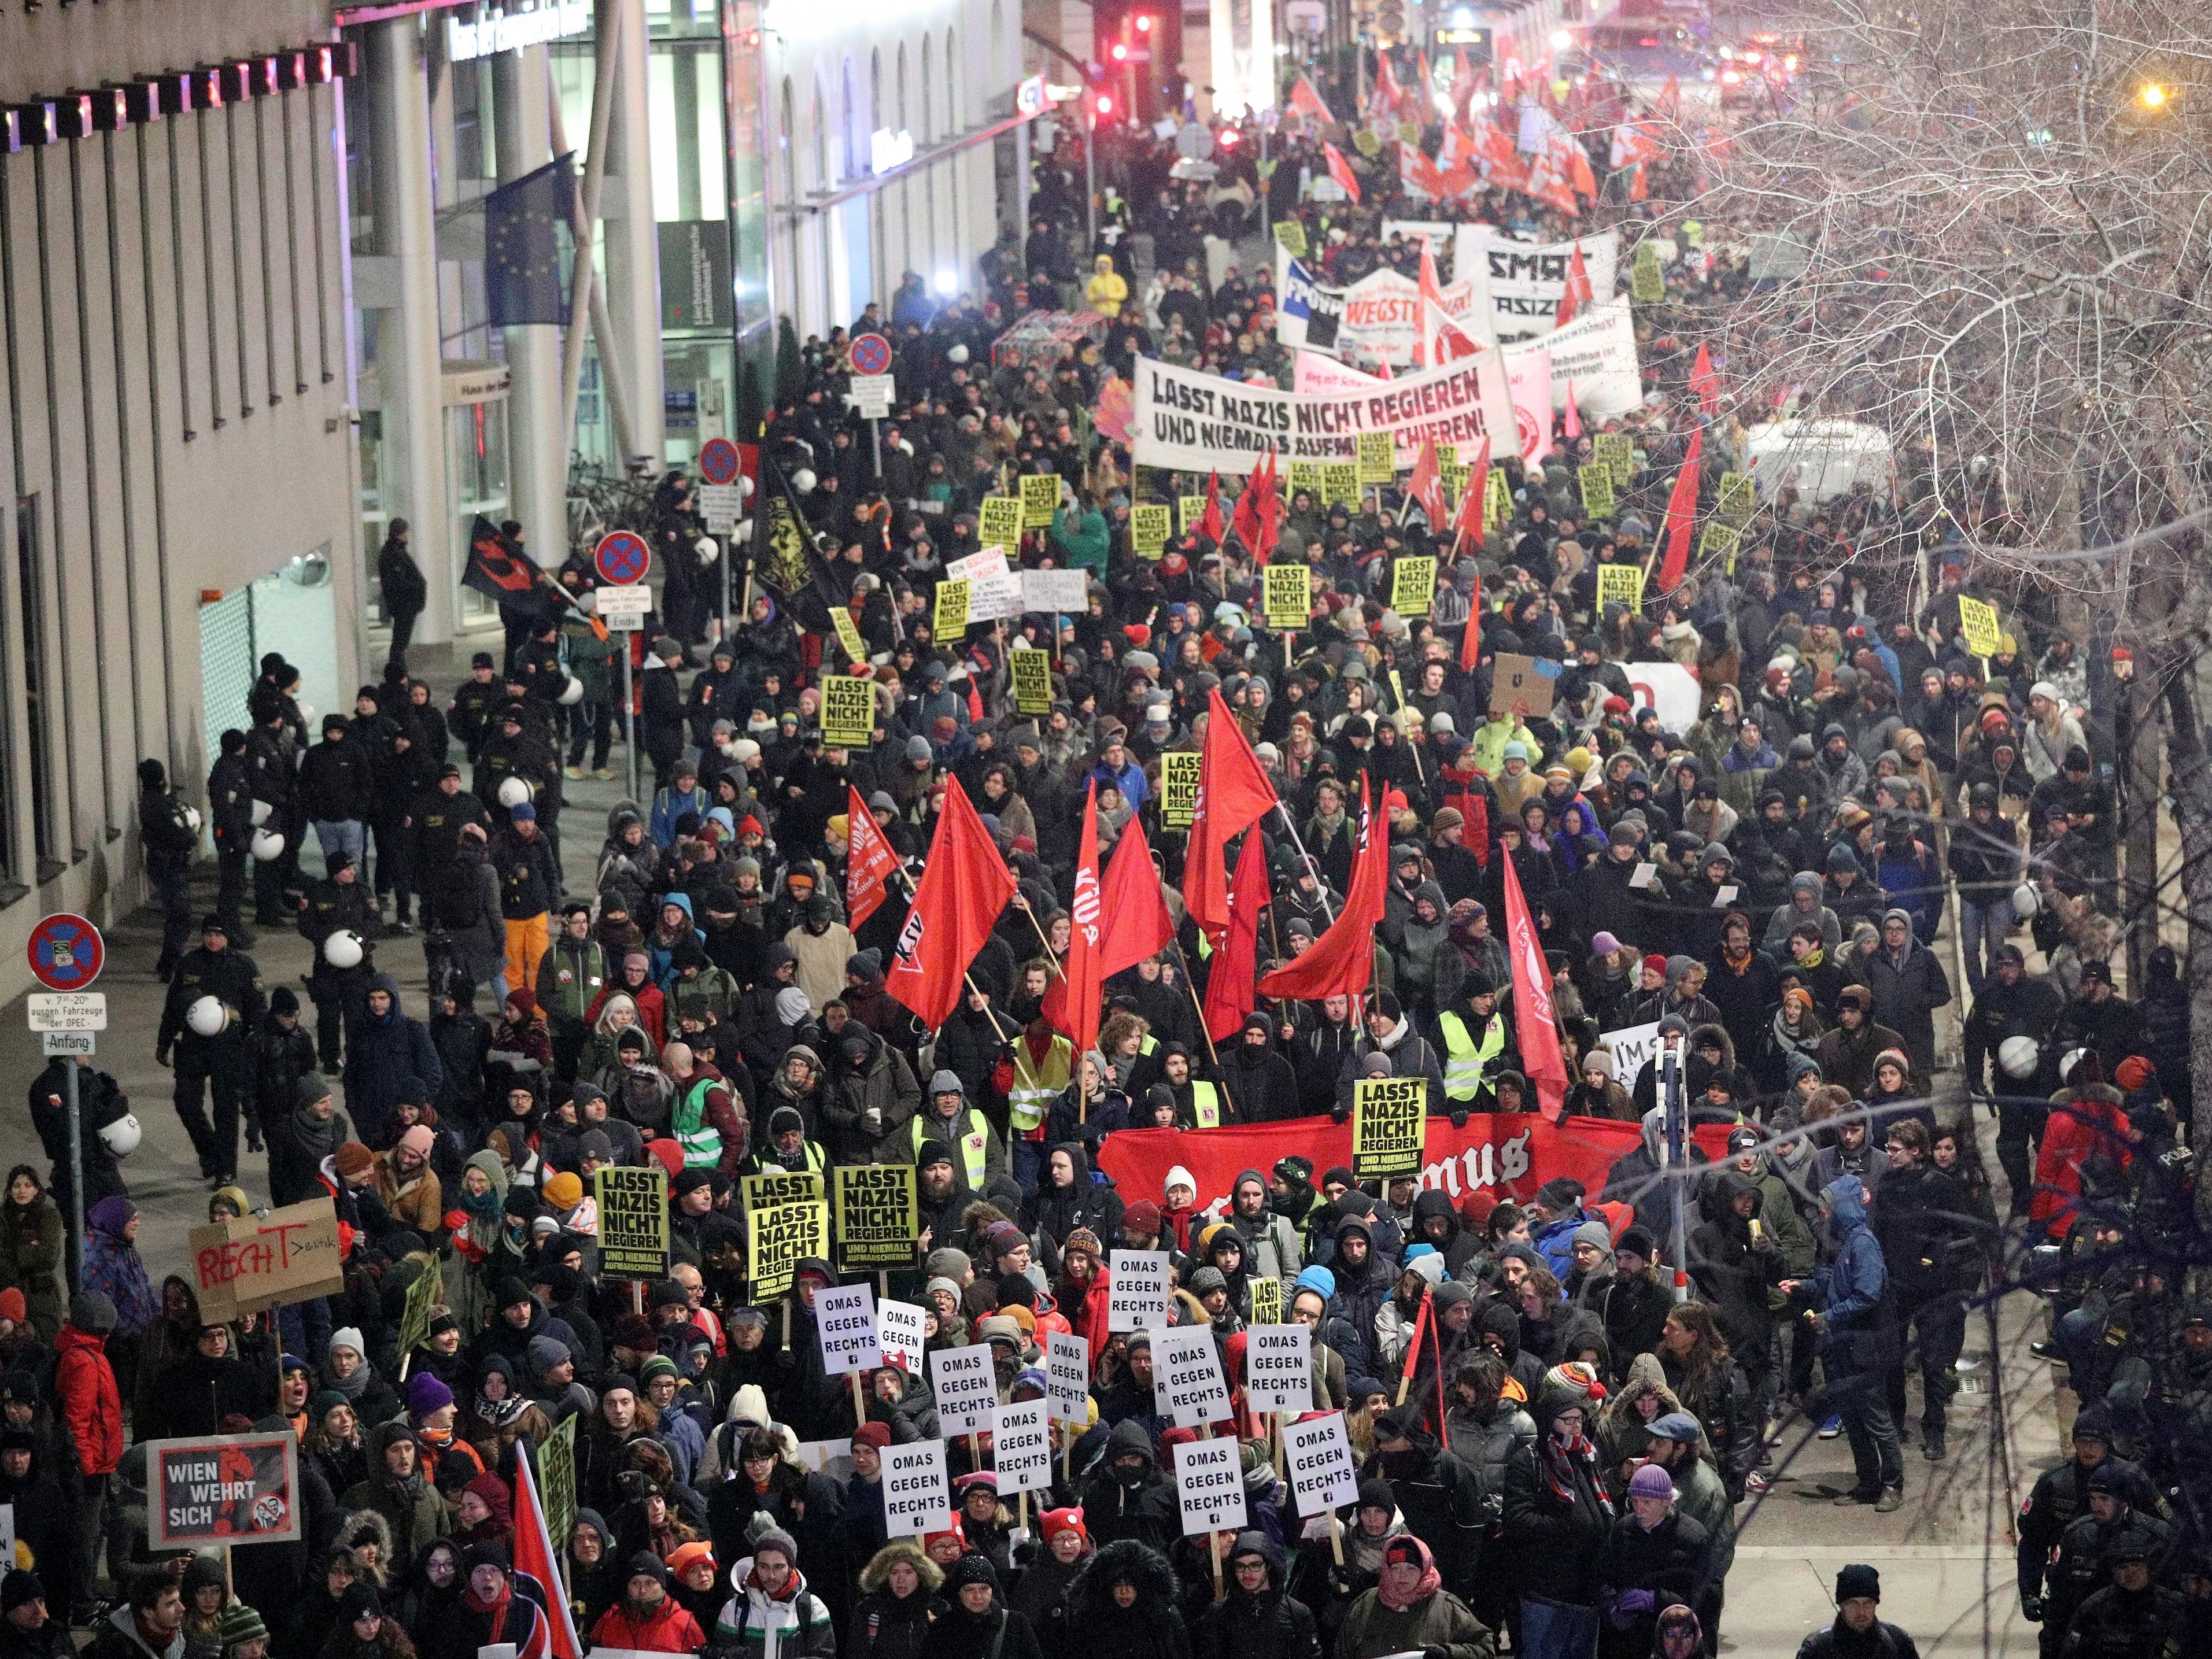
(214, 1006)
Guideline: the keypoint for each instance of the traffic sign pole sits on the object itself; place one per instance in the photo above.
(66, 954)
(629, 723)
(719, 463)
(77, 1172)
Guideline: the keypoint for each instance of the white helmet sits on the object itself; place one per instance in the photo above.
(306, 710)
(2018, 1056)
(744, 532)
(342, 949)
(958, 353)
(572, 693)
(121, 1137)
(2024, 901)
(268, 845)
(262, 809)
(745, 488)
(2068, 1061)
(707, 550)
(206, 1016)
(192, 818)
(513, 791)
(803, 480)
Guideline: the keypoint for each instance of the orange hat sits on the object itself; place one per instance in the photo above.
(684, 1557)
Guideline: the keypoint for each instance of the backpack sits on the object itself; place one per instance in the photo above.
(456, 901)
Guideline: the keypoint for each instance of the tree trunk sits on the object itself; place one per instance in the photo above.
(2191, 789)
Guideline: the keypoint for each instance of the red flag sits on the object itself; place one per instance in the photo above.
(1417, 173)
(1071, 1003)
(1340, 170)
(963, 889)
(1271, 511)
(1704, 381)
(1210, 525)
(1574, 415)
(1577, 294)
(1639, 187)
(868, 860)
(1229, 993)
(534, 1555)
(1387, 93)
(1470, 642)
(1578, 170)
(1468, 521)
(1341, 961)
(1535, 1031)
(1462, 87)
(1681, 513)
(1426, 486)
(1233, 795)
(1245, 520)
(1306, 101)
(1136, 918)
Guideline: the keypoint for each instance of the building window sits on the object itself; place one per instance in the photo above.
(38, 702)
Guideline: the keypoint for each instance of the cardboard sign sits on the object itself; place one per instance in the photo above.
(1373, 458)
(849, 634)
(1620, 584)
(1278, 1368)
(765, 1192)
(965, 1387)
(999, 523)
(777, 1239)
(1192, 509)
(877, 1216)
(1647, 284)
(425, 1295)
(950, 618)
(1413, 584)
(849, 711)
(1136, 1289)
(1616, 450)
(1388, 1125)
(901, 1332)
(1188, 1382)
(1210, 1482)
(1266, 1301)
(1632, 1048)
(1067, 1377)
(251, 1262)
(228, 1489)
(1497, 499)
(1056, 592)
(845, 1326)
(916, 1498)
(1178, 789)
(1021, 1447)
(1286, 596)
(1311, 476)
(1151, 524)
(1597, 482)
(1032, 678)
(1040, 498)
(1341, 482)
(1977, 622)
(1516, 681)
(1317, 1456)
(994, 588)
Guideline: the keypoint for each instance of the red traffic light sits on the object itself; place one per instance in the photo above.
(1144, 22)
(1105, 104)
(1121, 53)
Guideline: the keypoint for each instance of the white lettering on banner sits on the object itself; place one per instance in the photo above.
(1518, 284)
(1068, 1378)
(1278, 1368)
(1021, 1447)
(1136, 1289)
(1632, 1048)
(965, 1387)
(1668, 687)
(1188, 1382)
(900, 1331)
(1480, 1167)
(845, 1325)
(1318, 1455)
(1596, 354)
(1210, 1480)
(1197, 422)
(496, 31)
(916, 1499)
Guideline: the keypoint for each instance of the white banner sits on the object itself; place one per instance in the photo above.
(845, 1325)
(916, 1499)
(1375, 320)
(1067, 1376)
(1518, 284)
(1317, 1453)
(1197, 422)
(899, 1328)
(1136, 1289)
(994, 588)
(1021, 1447)
(1312, 371)
(1210, 1480)
(964, 1386)
(1529, 372)
(1596, 354)
(1668, 687)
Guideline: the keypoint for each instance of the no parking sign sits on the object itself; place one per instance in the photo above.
(622, 558)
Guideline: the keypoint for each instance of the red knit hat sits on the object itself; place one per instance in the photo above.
(1056, 1522)
(2132, 1073)
(1474, 1209)
(878, 1435)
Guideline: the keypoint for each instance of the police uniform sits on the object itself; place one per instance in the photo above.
(339, 993)
(222, 1063)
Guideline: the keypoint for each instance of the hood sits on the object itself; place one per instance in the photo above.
(1432, 1204)
(681, 901)
(1258, 1543)
(1702, 1034)
(1130, 1560)
(1654, 1134)
(1722, 1194)
(390, 986)
(1129, 1436)
(876, 1574)
(1845, 1198)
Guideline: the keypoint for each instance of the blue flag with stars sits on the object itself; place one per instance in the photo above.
(523, 267)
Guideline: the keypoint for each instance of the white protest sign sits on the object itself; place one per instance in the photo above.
(916, 1499)
(1021, 1447)
(1187, 1379)
(993, 589)
(1633, 1046)
(1210, 1480)
(1519, 283)
(1136, 1289)
(965, 1387)
(845, 1324)
(900, 1331)
(1596, 354)
(1067, 1376)
(1067, 592)
(1278, 1368)
(1668, 687)
(1317, 1453)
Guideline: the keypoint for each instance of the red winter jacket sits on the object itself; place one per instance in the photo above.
(89, 1398)
(2084, 1123)
(670, 1630)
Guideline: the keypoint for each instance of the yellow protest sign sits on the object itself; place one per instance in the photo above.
(1339, 483)
(1292, 235)
(1032, 677)
(1389, 1125)
(1308, 475)
(877, 1217)
(633, 1204)
(1647, 284)
(1497, 499)
(1596, 481)
(1001, 523)
(1413, 584)
(1409, 132)
(1040, 495)
(1366, 142)
(765, 1192)
(1719, 541)
(780, 1238)
(1453, 470)
(849, 634)
(1266, 1301)
(1286, 596)
(1374, 458)
(1178, 789)
(1739, 497)
(1620, 584)
(954, 597)
(1194, 509)
(849, 711)
(1150, 526)
(1978, 621)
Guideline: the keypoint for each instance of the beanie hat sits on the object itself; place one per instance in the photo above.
(1651, 1481)
(489, 1553)
(684, 1557)
(241, 1624)
(92, 1312)
(355, 1160)
(1856, 1580)
(348, 1336)
(1056, 1522)
(1082, 1238)
(878, 1435)
(646, 1565)
(2132, 1073)
(563, 1190)
(425, 1395)
(1318, 1280)
(13, 1306)
(1592, 1232)
(775, 1538)
(19, 1587)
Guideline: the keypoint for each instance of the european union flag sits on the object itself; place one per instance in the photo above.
(523, 269)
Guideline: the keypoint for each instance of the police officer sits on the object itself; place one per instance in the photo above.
(224, 1061)
(2118, 1494)
(469, 712)
(2012, 1003)
(2061, 1498)
(339, 903)
(230, 807)
(2131, 1618)
(270, 768)
(168, 831)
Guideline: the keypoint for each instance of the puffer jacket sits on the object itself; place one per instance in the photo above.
(1484, 1443)
(883, 1084)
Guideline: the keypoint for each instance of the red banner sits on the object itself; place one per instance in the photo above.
(1510, 1153)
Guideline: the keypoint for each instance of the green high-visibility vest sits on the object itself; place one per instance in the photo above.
(1465, 1058)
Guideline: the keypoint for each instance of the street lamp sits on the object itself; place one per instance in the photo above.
(2152, 95)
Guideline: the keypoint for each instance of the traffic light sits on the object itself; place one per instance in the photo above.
(1144, 22)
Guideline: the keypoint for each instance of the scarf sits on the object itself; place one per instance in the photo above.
(352, 1386)
(496, 1608)
(793, 1587)
(1563, 1461)
(318, 1136)
(1432, 1581)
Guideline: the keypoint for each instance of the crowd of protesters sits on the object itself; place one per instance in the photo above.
(1554, 1450)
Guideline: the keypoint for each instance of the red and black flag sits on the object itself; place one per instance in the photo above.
(499, 569)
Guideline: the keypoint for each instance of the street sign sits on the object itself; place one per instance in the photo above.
(66, 952)
(722, 506)
(65, 1042)
(623, 609)
(870, 355)
(622, 557)
(1029, 96)
(68, 1011)
(871, 394)
(720, 461)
